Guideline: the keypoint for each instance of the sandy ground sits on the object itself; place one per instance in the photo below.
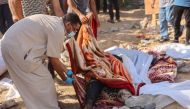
(121, 34)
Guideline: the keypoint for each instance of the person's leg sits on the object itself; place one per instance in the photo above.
(2, 21)
(163, 23)
(110, 6)
(105, 6)
(187, 18)
(178, 12)
(98, 6)
(93, 90)
(116, 6)
(170, 15)
(7, 15)
(36, 87)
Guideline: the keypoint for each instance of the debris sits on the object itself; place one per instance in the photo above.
(103, 31)
(12, 91)
(114, 29)
(144, 23)
(183, 67)
(7, 104)
(124, 107)
(135, 26)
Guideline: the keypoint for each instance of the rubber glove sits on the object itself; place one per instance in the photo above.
(69, 80)
(69, 73)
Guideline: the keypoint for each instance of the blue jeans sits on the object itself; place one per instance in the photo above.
(5, 18)
(165, 17)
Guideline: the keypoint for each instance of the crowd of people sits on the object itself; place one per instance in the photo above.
(40, 32)
(171, 11)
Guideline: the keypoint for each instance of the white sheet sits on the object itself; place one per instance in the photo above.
(180, 92)
(3, 68)
(175, 50)
(136, 62)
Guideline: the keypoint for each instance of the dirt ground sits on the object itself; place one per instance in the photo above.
(121, 34)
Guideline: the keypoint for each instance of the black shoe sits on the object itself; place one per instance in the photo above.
(187, 43)
(118, 20)
(175, 41)
(164, 39)
(111, 21)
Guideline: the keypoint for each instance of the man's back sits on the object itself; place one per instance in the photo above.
(36, 34)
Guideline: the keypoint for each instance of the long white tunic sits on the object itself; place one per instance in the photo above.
(24, 47)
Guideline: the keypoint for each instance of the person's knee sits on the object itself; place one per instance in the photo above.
(94, 88)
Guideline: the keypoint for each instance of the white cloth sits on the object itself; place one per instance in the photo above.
(175, 50)
(12, 91)
(3, 68)
(136, 62)
(180, 92)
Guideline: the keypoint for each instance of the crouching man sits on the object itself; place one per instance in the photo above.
(26, 46)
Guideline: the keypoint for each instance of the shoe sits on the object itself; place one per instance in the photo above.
(111, 21)
(118, 20)
(176, 41)
(181, 29)
(105, 12)
(187, 43)
(164, 39)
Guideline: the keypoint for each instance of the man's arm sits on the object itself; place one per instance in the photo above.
(16, 9)
(57, 8)
(82, 17)
(59, 67)
(93, 9)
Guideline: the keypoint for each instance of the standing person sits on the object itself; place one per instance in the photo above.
(31, 7)
(64, 5)
(25, 52)
(98, 6)
(98, 2)
(5, 16)
(105, 6)
(181, 7)
(110, 7)
(165, 17)
(86, 10)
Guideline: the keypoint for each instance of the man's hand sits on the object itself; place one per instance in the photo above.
(83, 18)
(15, 19)
(152, 5)
(89, 15)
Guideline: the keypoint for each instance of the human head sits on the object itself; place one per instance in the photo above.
(72, 22)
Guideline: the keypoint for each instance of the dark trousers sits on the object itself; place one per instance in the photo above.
(114, 3)
(104, 6)
(5, 18)
(178, 12)
(93, 91)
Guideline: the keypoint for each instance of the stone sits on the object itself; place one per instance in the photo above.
(7, 104)
(114, 29)
(124, 107)
(144, 23)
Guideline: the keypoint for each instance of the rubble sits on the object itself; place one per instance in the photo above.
(7, 104)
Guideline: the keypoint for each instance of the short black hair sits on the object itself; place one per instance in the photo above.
(71, 17)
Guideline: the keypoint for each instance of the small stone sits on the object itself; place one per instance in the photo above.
(114, 29)
(124, 107)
